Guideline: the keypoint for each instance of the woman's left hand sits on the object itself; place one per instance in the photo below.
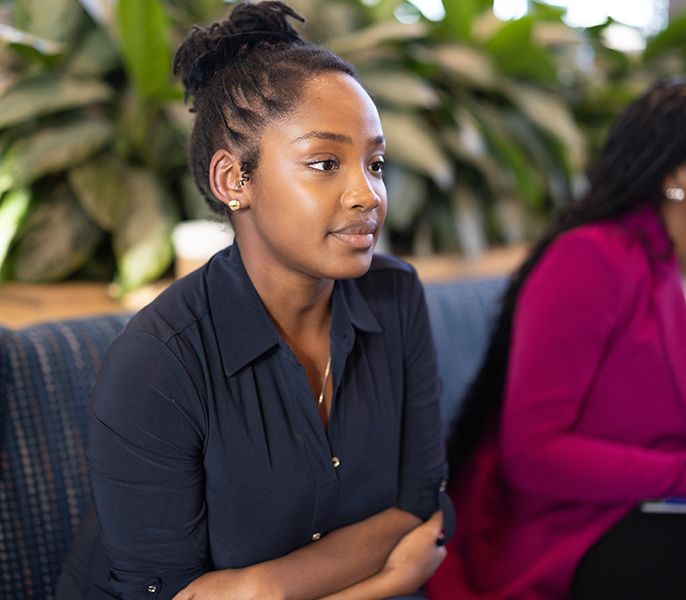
(229, 584)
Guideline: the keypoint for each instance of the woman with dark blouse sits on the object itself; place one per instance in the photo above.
(269, 427)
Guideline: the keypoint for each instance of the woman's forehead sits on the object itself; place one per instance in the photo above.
(333, 105)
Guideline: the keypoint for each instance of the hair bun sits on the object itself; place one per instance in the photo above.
(270, 16)
(207, 49)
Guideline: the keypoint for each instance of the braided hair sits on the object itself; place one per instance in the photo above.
(645, 145)
(242, 73)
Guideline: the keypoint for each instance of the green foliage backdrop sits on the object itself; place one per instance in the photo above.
(490, 124)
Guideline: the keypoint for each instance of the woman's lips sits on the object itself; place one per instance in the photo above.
(357, 235)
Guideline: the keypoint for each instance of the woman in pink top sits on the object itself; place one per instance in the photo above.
(579, 411)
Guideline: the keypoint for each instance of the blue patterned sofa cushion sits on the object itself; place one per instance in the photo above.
(46, 374)
(462, 315)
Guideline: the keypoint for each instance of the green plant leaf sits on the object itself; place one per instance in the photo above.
(673, 38)
(57, 239)
(400, 88)
(468, 220)
(515, 164)
(517, 54)
(467, 65)
(95, 56)
(48, 93)
(55, 20)
(13, 208)
(142, 240)
(460, 15)
(375, 35)
(51, 150)
(18, 39)
(406, 196)
(412, 145)
(469, 145)
(100, 185)
(550, 112)
(144, 38)
(102, 12)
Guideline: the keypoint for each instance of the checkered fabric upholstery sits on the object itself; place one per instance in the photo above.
(46, 374)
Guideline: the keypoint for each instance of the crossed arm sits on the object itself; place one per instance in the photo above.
(351, 563)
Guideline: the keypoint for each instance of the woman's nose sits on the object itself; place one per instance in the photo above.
(361, 195)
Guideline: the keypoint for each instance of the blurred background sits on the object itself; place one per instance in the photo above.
(493, 110)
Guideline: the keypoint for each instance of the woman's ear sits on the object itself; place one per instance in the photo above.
(226, 180)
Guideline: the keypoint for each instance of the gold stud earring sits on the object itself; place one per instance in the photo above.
(234, 205)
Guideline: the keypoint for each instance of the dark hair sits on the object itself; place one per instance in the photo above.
(242, 73)
(645, 145)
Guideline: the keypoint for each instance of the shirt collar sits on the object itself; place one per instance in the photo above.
(243, 327)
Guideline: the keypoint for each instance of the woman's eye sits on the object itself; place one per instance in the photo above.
(377, 166)
(328, 164)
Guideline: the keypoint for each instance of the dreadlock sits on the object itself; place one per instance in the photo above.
(645, 145)
(242, 73)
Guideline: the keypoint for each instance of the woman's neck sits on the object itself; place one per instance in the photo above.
(299, 305)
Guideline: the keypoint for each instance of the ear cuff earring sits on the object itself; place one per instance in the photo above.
(244, 179)
(234, 205)
(675, 194)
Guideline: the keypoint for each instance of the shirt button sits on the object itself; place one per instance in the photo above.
(316, 536)
(442, 486)
(335, 461)
(152, 588)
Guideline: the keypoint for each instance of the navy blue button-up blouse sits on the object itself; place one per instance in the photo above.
(205, 445)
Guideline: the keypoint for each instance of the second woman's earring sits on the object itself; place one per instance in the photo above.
(234, 205)
(676, 194)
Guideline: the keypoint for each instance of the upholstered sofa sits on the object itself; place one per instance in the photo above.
(46, 373)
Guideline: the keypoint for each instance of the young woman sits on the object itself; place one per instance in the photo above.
(269, 426)
(579, 411)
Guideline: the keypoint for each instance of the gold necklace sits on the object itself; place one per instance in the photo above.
(326, 379)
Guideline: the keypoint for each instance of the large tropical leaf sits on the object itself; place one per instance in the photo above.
(461, 14)
(465, 64)
(468, 220)
(102, 189)
(144, 37)
(412, 145)
(377, 34)
(514, 160)
(13, 208)
(406, 196)
(672, 39)
(400, 88)
(517, 54)
(18, 39)
(48, 93)
(55, 241)
(95, 56)
(142, 240)
(551, 113)
(52, 150)
(55, 20)
(102, 12)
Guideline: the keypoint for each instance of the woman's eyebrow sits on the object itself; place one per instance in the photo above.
(335, 137)
(324, 135)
